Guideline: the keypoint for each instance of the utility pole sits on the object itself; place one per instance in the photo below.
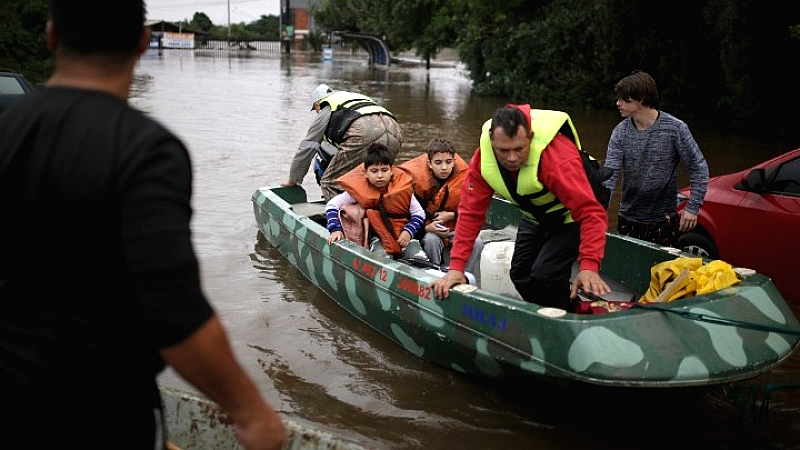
(288, 28)
(229, 23)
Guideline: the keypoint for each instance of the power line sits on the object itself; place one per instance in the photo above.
(186, 8)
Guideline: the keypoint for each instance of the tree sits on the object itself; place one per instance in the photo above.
(728, 62)
(200, 21)
(344, 15)
(22, 39)
(424, 25)
(265, 28)
(268, 27)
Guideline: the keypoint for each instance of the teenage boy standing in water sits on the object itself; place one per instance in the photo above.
(647, 148)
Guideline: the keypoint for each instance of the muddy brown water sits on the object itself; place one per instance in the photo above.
(242, 116)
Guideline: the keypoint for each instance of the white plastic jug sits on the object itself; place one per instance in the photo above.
(495, 265)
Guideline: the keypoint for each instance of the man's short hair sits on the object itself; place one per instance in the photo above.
(98, 26)
(510, 118)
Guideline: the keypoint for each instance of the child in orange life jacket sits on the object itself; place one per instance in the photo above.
(387, 195)
(438, 174)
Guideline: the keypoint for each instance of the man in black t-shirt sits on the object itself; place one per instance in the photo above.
(85, 176)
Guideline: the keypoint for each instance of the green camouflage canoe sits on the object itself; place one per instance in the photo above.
(732, 334)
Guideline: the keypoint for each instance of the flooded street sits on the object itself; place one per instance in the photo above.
(242, 117)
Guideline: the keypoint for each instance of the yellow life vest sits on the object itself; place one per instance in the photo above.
(538, 202)
(345, 108)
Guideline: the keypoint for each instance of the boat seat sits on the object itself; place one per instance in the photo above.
(313, 210)
(619, 292)
(508, 233)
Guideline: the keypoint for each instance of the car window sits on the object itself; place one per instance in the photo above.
(787, 178)
(10, 86)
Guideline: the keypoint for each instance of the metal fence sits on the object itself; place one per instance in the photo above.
(273, 46)
(269, 46)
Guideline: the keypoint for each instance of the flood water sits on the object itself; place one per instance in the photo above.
(242, 117)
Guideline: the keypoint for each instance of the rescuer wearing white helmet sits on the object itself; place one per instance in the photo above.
(346, 123)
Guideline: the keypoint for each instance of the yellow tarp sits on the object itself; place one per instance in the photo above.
(701, 279)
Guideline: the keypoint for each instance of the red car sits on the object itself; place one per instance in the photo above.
(751, 219)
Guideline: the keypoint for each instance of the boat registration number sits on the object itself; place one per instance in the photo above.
(371, 270)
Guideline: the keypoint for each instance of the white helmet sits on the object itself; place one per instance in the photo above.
(321, 92)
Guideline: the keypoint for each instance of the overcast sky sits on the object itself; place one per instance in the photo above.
(217, 10)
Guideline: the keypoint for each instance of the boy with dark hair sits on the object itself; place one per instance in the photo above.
(387, 195)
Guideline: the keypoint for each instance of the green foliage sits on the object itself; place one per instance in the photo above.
(729, 62)
(757, 56)
(268, 27)
(342, 15)
(316, 39)
(424, 25)
(238, 32)
(437, 25)
(556, 56)
(486, 41)
(200, 21)
(22, 40)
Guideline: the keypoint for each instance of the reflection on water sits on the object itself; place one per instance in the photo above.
(242, 118)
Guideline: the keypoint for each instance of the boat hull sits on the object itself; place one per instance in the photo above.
(500, 337)
(196, 422)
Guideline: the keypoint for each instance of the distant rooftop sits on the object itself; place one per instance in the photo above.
(162, 25)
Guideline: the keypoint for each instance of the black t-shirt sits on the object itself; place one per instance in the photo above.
(97, 269)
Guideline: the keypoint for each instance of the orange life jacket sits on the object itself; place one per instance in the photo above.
(434, 196)
(396, 201)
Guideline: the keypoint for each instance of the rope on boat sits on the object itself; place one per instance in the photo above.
(686, 314)
(720, 321)
(760, 412)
